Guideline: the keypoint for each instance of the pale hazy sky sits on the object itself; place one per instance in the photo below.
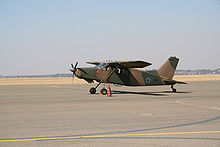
(46, 36)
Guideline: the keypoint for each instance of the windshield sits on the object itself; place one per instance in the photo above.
(101, 65)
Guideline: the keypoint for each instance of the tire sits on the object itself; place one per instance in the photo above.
(174, 90)
(103, 91)
(92, 90)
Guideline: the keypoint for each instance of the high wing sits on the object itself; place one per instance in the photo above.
(95, 63)
(125, 64)
(130, 64)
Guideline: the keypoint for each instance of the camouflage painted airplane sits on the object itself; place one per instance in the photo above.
(125, 73)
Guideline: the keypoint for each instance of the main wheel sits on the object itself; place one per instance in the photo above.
(92, 90)
(103, 91)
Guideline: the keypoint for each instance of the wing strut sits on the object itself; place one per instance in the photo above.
(111, 73)
(93, 89)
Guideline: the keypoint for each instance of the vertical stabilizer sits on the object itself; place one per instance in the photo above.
(168, 69)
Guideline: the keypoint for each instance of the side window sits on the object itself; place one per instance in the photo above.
(124, 71)
(106, 68)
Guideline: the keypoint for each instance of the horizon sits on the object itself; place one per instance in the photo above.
(177, 72)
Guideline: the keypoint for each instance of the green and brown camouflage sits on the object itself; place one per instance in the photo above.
(125, 73)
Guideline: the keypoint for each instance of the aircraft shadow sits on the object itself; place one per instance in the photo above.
(140, 93)
(162, 93)
(176, 92)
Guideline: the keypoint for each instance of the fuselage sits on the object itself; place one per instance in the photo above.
(128, 77)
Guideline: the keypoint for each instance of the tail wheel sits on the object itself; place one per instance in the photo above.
(174, 90)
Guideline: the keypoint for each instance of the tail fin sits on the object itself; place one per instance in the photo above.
(168, 69)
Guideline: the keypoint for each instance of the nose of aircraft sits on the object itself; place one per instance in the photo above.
(72, 70)
(75, 71)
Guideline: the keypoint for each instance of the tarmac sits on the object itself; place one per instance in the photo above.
(67, 115)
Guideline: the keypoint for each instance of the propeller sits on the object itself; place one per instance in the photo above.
(73, 69)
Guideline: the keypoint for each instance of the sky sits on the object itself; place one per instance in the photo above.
(46, 36)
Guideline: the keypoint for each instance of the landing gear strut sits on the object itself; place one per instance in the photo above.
(174, 90)
(93, 89)
(103, 91)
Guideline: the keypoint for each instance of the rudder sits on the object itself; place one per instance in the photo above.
(168, 69)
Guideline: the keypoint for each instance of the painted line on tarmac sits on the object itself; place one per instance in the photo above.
(109, 133)
(103, 136)
(180, 101)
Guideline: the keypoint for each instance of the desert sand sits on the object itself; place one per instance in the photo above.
(69, 80)
(192, 78)
(40, 81)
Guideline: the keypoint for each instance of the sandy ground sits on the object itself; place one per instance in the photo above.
(192, 78)
(40, 81)
(69, 80)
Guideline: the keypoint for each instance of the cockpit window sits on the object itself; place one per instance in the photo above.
(101, 65)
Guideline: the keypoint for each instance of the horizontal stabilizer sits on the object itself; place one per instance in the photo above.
(172, 82)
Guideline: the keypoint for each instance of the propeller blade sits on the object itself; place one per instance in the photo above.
(74, 70)
(72, 79)
(76, 65)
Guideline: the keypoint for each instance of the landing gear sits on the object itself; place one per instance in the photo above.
(173, 89)
(92, 90)
(103, 91)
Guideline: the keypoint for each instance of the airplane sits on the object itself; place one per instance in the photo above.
(126, 73)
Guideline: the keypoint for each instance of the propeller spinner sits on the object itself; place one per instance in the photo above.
(74, 68)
